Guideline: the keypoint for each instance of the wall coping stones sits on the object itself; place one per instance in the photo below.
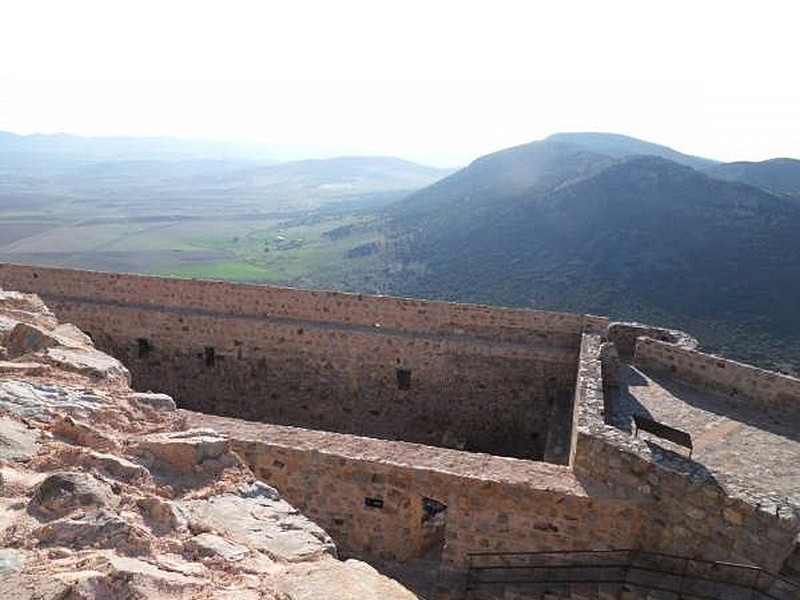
(275, 301)
(418, 457)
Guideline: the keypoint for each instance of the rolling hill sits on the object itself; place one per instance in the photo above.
(637, 237)
(136, 175)
(778, 175)
(620, 146)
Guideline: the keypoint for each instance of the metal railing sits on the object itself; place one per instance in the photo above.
(636, 569)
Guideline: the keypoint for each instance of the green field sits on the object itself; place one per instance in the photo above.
(298, 250)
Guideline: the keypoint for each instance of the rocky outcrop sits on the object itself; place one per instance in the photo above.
(105, 494)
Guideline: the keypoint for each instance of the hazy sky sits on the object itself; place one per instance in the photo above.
(436, 81)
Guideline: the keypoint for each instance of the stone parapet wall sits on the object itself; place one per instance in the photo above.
(493, 503)
(686, 513)
(684, 510)
(500, 324)
(713, 373)
(624, 335)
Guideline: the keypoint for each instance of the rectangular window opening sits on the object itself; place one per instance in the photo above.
(143, 346)
(373, 502)
(208, 353)
(403, 379)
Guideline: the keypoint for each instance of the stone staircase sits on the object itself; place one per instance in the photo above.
(618, 575)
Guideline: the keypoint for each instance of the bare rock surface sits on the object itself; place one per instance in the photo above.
(353, 579)
(267, 524)
(209, 544)
(45, 400)
(18, 442)
(154, 400)
(62, 493)
(104, 494)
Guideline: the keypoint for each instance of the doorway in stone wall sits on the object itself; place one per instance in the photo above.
(434, 525)
(421, 573)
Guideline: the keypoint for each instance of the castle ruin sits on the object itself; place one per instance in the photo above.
(465, 439)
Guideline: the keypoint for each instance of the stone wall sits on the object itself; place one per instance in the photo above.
(431, 372)
(684, 510)
(706, 371)
(624, 335)
(370, 495)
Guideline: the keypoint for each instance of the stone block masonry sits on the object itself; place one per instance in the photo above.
(463, 376)
(772, 391)
(685, 510)
(373, 496)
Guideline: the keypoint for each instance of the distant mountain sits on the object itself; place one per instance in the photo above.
(779, 175)
(635, 238)
(466, 197)
(61, 149)
(539, 166)
(620, 146)
(184, 176)
(344, 174)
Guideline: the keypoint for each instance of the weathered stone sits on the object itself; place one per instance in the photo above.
(208, 544)
(26, 338)
(65, 347)
(43, 401)
(117, 467)
(81, 433)
(348, 580)
(156, 401)
(17, 442)
(94, 529)
(122, 577)
(164, 514)
(19, 368)
(87, 361)
(259, 489)
(187, 450)
(10, 561)
(13, 302)
(67, 332)
(270, 526)
(62, 493)
(30, 586)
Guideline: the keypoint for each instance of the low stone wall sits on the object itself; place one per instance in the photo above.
(370, 496)
(706, 371)
(499, 324)
(685, 513)
(684, 510)
(624, 335)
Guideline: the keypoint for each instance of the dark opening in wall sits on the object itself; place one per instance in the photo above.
(143, 347)
(373, 502)
(433, 511)
(208, 353)
(403, 379)
(433, 523)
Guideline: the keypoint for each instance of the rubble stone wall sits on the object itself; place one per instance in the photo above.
(684, 510)
(385, 367)
(370, 495)
(716, 374)
(624, 336)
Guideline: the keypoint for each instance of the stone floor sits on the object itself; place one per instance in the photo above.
(747, 450)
